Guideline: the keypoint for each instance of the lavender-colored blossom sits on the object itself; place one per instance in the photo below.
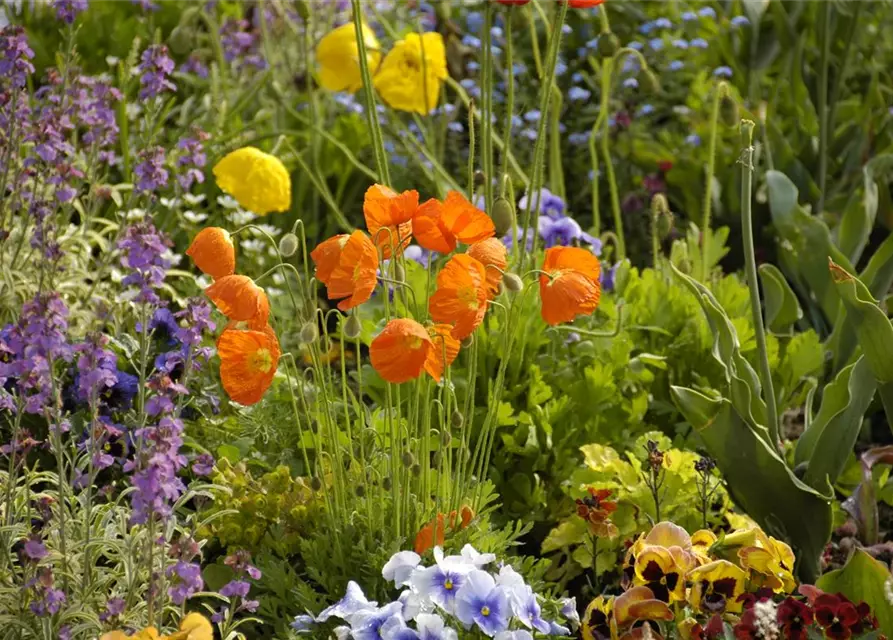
(722, 72)
(35, 549)
(481, 602)
(241, 44)
(150, 171)
(569, 611)
(740, 21)
(186, 581)
(520, 634)
(367, 625)
(96, 368)
(143, 249)
(235, 589)
(15, 57)
(192, 159)
(303, 624)
(565, 232)
(352, 604)
(49, 604)
(606, 277)
(193, 322)
(68, 10)
(114, 607)
(194, 66)
(146, 5)
(545, 203)
(203, 465)
(509, 241)
(578, 94)
(155, 470)
(155, 68)
(440, 583)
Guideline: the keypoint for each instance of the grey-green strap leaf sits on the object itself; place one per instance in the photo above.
(782, 308)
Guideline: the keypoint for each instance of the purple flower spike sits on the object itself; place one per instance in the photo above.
(155, 67)
(68, 10)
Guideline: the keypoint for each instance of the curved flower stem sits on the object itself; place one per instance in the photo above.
(471, 145)
(487, 103)
(381, 157)
(721, 89)
(747, 127)
(509, 95)
(540, 147)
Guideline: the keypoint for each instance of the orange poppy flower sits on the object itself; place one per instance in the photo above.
(347, 265)
(239, 299)
(427, 536)
(248, 361)
(569, 287)
(213, 252)
(386, 210)
(445, 350)
(439, 226)
(491, 253)
(461, 296)
(400, 351)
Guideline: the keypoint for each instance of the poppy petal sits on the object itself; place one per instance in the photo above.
(248, 362)
(237, 297)
(213, 252)
(400, 351)
(445, 351)
(429, 229)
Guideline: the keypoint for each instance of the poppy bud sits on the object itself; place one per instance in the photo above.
(408, 459)
(309, 332)
(649, 81)
(664, 224)
(608, 44)
(436, 459)
(503, 216)
(399, 272)
(303, 10)
(360, 491)
(416, 470)
(288, 245)
(479, 178)
(446, 438)
(181, 39)
(728, 111)
(467, 342)
(457, 419)
(513, 282)
(386, 483)
(679, 256)
(352, 327)
(315, 483)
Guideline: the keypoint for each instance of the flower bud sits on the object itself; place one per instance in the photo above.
(457, 419)
(181, 39)
(436, 459)
(399, 272)
(315, 483)
(445, 438)
(288, 245)
(386, 483)
(467, 342)
(513, 282)
(503, 216)
(352, 327)
(728, 111)
(648, 81)
(360, 490)
(479, 178)
(416, 470)
(303, 10)
(608, 44)
(408, 459)
(309, 332)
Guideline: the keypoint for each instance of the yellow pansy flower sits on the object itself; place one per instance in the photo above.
(410, 75)
(257, 180)
(339, 58)
(194, 626)
(716, 587)
(771, 563)
(596, 623)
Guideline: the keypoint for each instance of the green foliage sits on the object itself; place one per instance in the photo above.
(568, 544)
(863, 579)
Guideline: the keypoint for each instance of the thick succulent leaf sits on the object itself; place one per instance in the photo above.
(828, 442)
(808, 243)
(862, 579)
(858, 220)
(782, 308)
(758, 479)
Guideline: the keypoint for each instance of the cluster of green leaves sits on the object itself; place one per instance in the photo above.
(569, 544)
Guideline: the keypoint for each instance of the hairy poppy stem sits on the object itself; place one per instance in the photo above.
(721, 90)
(753, 284)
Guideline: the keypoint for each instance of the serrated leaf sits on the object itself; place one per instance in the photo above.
(782, 308)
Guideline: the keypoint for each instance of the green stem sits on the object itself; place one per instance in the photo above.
(471, 144)
(381, 157)
(509, 94)
(708, 191)
(825, 37)
(487, 102)
(753, 284)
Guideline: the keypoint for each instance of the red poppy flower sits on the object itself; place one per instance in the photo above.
(461, 296)
(445, 350)
(400, 352)
(389, 217)
(794, 617)
(213, 252)
(347, 265)
(570, 286)
(491, 253)
(440, 226)
(583, 4)
(239, 299)
(248, 362)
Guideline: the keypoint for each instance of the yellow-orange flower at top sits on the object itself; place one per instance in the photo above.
(399, 353)
(570, 286)
(339, 58)
(213, 252)
(445, 350)
(493, 255)
(439, 226)
(347, 265)
(389, 217)
(194, 626)
(409, 77)
(248, 362)
(257, 180)
(461, 297)
(239, 299)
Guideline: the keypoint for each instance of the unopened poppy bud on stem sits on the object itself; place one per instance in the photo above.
(649, 81)
(309, 332)
(513, 282)
(728, 111)
(408, 459)
(457, 419)
(503, 216)
(387, 483)
(352, 327)
(315, 483)
(288, 245)
(608, 44)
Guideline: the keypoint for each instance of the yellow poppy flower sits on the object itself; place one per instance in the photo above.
(716, 587)
(410, 75)
(194, 626)
(339, 58)
(257, 180)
